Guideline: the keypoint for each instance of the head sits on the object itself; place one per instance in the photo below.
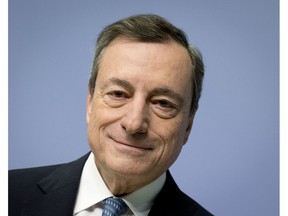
(143, 93)
(154, 29)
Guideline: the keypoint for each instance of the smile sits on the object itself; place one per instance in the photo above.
(132, 146)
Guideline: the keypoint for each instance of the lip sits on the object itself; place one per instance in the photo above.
(133, 146)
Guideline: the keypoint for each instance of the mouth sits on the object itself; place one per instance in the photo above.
(138, 147)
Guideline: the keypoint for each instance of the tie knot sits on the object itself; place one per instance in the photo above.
(114, 206)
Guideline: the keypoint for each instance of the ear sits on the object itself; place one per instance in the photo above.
(88, 107)
(189, 127)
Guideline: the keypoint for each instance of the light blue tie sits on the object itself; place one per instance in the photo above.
(114, 206)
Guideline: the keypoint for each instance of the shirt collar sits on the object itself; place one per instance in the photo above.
(92, 190)
(141, 200)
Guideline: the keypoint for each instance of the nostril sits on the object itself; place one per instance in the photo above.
(134, 127)
(123, 127)
(142, 131)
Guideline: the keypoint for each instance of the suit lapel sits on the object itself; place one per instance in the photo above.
(58, 191)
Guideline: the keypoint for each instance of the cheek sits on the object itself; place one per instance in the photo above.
(172, 132)
(97, 121)
(172, 135)
(100, 118)
(101, 115)
(93, 133)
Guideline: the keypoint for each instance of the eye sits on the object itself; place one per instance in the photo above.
(115, 98)
(164, 108)
(117, 95)
(164, 104)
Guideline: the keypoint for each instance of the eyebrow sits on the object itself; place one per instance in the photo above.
(156, 91)
(123, 83)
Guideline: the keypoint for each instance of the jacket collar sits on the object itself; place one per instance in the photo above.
(59, 190)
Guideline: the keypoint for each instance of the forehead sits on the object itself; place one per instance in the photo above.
(128, 47)
(154, 63)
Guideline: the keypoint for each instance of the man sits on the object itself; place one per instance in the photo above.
(143, 94)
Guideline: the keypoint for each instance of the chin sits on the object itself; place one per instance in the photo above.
(132, 169)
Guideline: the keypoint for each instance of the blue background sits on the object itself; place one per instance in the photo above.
(230, 163)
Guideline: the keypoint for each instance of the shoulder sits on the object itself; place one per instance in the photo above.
(23, 182)
(188, 206)
(35, 183)
(35, 172)
(23, 186)
(172, 201)
(23, 178)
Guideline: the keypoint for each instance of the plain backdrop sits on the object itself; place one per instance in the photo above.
(231, 162)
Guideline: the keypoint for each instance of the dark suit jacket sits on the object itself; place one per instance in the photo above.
(52, 191)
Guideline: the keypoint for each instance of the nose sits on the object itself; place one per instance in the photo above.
(136, 118)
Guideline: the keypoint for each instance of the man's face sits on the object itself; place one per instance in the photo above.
(138, 118)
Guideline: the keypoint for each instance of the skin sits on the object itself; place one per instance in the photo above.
(138, 117)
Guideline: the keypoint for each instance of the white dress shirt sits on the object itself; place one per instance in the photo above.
(93, 190)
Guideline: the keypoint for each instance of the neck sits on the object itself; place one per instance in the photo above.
(121, 185)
